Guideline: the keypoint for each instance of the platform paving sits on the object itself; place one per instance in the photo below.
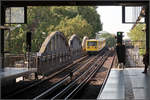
(9, 72)
(127, 84)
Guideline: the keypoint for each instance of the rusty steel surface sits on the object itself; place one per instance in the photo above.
(51, 38)
(54, 53)
(84, 42)
(75, 46)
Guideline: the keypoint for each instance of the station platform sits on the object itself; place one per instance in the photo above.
(128, 83)
(12, 73)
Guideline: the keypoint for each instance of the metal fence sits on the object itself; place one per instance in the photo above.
(134, 53)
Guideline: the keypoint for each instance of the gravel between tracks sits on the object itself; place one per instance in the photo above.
(91, 90)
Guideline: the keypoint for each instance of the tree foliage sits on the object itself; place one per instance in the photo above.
(110, 39)
(137, 34)
(76, 25)
(80, 20)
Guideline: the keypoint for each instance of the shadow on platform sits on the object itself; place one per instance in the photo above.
(128, 84)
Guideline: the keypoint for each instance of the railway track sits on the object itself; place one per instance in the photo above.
(37, 88)
(23, 89)
(71, 79)
(72, 87)
(95, 84)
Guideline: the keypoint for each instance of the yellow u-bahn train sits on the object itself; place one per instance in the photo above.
(93, 46)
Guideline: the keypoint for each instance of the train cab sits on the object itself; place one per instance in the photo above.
(93, 46)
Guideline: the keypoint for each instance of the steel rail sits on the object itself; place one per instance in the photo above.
(104, 82)
(47, 78)
(84, 82)
(61, 82)
(73, 83)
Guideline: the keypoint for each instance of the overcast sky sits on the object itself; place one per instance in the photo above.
(111, 17)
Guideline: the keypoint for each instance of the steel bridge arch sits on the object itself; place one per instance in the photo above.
(75, 46)
(54, 53)
(84, 43)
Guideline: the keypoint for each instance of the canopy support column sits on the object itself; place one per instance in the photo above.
(147, 13)
(2, 17)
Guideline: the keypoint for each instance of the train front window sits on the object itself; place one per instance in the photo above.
(93, 43)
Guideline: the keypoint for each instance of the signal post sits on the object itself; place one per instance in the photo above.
(120, 49)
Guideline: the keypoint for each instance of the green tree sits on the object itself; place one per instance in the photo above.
(110, 39)
(136, 34)
(76, 25)
(80, 20)
(92, 17)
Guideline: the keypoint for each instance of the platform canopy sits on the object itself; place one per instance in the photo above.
(72, 2)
